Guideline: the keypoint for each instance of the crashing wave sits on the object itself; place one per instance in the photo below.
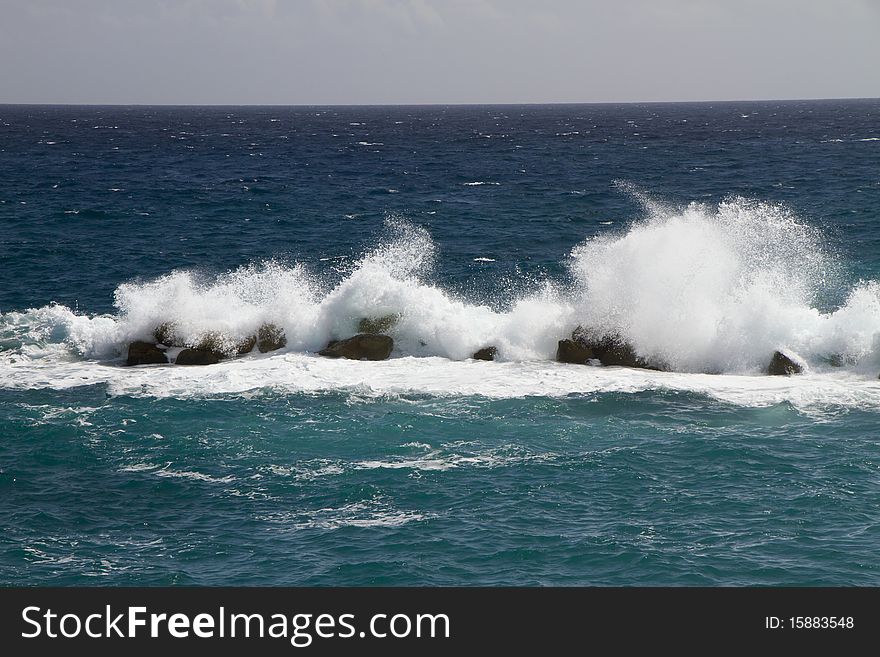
(701, 289)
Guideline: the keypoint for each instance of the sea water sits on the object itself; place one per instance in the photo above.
(707, 236)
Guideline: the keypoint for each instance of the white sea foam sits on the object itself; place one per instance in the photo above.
(441, 377)
(195, 476)
(371, 513)
(704, 290)
(438, 461)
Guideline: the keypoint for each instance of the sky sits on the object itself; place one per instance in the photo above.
(435, 51)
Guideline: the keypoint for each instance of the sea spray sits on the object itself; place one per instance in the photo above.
(233, 305)
(702, 289)
(707, 290)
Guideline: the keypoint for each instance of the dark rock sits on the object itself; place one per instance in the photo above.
(246, 346)
(165, 334)
(486, 353)
(197, 357)
(782, 365)
(270, 337)
(608, 350)
(614, 351)
(573, 351)
(212, 348)
(213, 342)
(145, 353)
(364, 346)
(377, 324)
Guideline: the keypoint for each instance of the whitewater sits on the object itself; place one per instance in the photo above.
(710, 291)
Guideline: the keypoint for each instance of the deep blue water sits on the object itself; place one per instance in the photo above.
(255, 473)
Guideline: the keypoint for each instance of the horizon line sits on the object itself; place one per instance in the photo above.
(445, 104)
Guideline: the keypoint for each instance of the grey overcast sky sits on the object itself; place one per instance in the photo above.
(435, 51)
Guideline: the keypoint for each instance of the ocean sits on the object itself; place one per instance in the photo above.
(706, 236)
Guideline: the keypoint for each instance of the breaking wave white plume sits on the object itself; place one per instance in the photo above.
(718, 290)
(701, 289)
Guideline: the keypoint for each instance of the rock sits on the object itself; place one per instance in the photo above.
(782, 365)
(378, 324)
(165, 334)
(213, 342)
(364, 346)
(211, 349)
(270, 337)
(614, 351)
(145, 353)
(608, 350)
(573, 351)
(246, 346)
(197, 357)
(486, 353)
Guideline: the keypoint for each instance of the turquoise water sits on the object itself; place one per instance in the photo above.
(706, 239)
(619, 489)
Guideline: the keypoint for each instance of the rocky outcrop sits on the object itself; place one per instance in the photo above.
(573, 351)
(270, 337)
(378, 324)
(608, 350)
(614, 351)
(210, 349)
(782, 365)
(197, 357)
(486, 353)
(145, 353)
(364, 346)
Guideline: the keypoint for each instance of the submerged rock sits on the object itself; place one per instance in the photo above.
(197, 357)
(486, 353)
(782, 365)
(364, 346)
(145, 353)
(270, 337)
(377, 324)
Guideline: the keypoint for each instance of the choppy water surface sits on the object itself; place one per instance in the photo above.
(707, 236)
